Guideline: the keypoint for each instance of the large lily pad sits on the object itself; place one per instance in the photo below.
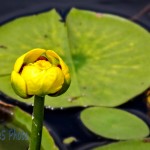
(19, 36)
(126, 145)
(107, 55)
(114, 123)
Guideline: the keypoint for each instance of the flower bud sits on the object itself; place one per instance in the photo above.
(40, 72)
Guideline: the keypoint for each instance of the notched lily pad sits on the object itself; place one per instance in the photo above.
(107, 55)
(114, 123)
(23, 34)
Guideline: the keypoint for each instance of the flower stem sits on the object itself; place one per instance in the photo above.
(37, 123)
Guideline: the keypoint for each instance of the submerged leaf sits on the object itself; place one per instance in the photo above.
(69, 140)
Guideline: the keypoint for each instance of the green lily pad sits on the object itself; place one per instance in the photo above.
(126, 145)
(15, 137)
(24, 121)
(107, 55)
(114, 123)
(16, 130)
(23, 34)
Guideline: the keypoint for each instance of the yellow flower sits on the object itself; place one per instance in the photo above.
(40, 72)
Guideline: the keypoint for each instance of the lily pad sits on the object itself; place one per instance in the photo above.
(114, 123)
(16, 129)
(24, 121)
(23, 34)
(13, 136)
(126, 145)
(107, 55)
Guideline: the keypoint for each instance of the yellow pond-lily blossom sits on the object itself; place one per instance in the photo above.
(40, 72)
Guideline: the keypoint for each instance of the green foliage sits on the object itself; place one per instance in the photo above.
(23, 121)
(126, 145)
(107, 55)
(114, 123)
(16, 131)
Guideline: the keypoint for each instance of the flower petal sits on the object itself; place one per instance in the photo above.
(50, 53)
(65, 86)
(42, 82)
(19, 85)
(65, 70)
(33, 55)
(52, 57)
(53, 80)
(18, 64)
(32, 76)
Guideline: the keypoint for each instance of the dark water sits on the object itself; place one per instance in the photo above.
(137, 10)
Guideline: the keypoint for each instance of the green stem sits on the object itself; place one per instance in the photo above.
(37, 123)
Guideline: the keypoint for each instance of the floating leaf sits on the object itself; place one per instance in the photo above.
(126, 145)
(13, 137)
(107, 55)
(114, 123)
(16, 129)
(23, 34)
(24, 121)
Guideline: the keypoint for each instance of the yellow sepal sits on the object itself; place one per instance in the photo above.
(54, 74)
(18, 64)
(19, 85)
(33, 55)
